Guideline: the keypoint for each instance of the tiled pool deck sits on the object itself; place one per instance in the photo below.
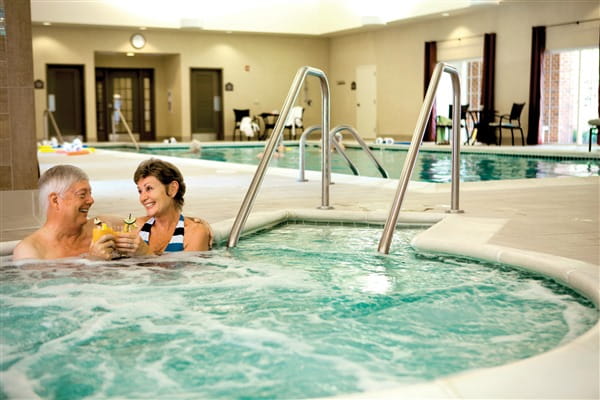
(548, 225)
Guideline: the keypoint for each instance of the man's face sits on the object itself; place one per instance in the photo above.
(76, 202)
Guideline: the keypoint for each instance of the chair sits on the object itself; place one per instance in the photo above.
(510, 121)
(239, 114)
(446, 123)
(594, 124)
(269, 120)
(480, 122)
(294, 120)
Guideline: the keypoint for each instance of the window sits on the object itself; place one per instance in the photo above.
(569, 95)
(471, 75)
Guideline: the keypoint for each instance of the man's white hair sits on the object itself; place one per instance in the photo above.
(57, 180)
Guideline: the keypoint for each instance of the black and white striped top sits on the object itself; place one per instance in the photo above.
(176, 242)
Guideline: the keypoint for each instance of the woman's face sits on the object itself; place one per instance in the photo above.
(154, 196)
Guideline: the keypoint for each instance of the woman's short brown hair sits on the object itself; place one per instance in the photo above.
(165, 172)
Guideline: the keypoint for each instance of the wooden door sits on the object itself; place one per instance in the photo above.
(206, 102)
(136, 88)
(65, 84)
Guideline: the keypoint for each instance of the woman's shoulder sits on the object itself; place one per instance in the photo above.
(198, 227)
(194, 223)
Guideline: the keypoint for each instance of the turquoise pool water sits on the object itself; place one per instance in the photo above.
(431, 166)
(320, 313)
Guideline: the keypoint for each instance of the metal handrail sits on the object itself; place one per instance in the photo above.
(244, 211)
(362, 144)
(301, 151)
(124, 121)
(48, 113)
(302, 154)
(342, 153)
(407, 169)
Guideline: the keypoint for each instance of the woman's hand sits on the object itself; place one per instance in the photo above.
(131, 244)
(103, 248)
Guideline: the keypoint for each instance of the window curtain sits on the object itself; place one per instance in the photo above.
(430, 61)
(538, 45)
(484, 133)
(489, 71)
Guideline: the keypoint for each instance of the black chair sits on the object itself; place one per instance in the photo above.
(510, 121)
(480, 121)
(239, 114)
(447, 125)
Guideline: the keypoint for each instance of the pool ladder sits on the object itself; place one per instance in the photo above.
(340, 150)
(407, 169)
(277, 133)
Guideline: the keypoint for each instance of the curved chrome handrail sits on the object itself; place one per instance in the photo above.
(342, 153)
(302, 151)
(362, 144)
(413, 150)
(127, 128)
(302, 154)
(248, 201)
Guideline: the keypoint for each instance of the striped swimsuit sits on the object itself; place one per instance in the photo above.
(176, 242)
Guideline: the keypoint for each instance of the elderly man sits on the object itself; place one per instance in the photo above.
(66, 197)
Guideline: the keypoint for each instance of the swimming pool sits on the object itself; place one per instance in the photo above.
(320, 313)
(431, 166)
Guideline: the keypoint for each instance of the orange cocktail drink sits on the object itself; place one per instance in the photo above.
(101, 230)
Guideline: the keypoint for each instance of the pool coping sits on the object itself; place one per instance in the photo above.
(568, 371)
(540, 151)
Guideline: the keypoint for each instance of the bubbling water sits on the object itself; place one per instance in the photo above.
(300, 311)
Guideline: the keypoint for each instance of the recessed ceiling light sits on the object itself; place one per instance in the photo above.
(143, 28)
(130, 54)
(445, 14)
(46, 23)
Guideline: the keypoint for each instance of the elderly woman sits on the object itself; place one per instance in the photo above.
(164, 228)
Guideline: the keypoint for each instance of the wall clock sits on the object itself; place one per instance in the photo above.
(137, 40)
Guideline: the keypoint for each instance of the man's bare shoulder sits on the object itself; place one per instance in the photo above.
(29, 247)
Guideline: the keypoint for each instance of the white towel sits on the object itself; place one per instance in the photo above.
(246, 127)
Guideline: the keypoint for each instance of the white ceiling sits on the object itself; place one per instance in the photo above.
(300, 17)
